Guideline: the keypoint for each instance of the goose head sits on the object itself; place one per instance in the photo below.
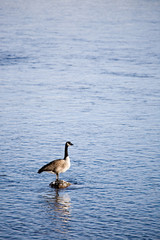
(69, 144)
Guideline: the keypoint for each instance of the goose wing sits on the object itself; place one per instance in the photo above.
(51, 166)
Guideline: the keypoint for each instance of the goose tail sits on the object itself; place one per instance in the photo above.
(41, 170)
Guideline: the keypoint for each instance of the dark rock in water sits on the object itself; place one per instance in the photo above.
(59, 184)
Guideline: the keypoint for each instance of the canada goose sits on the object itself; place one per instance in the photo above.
(58, 166)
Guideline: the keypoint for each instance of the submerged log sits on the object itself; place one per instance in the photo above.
(59, 184)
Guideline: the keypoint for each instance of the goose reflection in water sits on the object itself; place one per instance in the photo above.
(59, 208)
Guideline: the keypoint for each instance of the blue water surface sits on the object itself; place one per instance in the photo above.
(87, 72)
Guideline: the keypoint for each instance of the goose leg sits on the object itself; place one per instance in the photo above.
(57, 177)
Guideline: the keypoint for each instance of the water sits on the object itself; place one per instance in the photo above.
(87, 72)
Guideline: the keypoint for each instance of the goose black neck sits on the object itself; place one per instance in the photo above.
(66, 151)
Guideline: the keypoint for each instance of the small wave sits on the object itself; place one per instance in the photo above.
(11, 59)
(123, 74)
(3, 175)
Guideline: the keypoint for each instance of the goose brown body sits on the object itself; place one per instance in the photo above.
(58, 166)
